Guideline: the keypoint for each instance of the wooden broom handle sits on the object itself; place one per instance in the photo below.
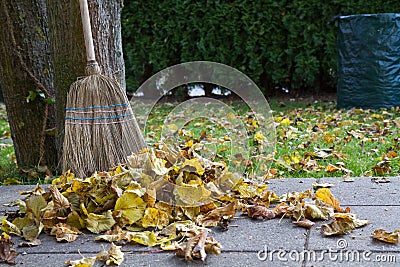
(87, 31)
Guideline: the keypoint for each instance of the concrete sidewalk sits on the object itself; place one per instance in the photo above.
(259, 242)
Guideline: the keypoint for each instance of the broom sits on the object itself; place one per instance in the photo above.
(100, 127)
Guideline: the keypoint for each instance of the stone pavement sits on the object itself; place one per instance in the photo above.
(259, 242)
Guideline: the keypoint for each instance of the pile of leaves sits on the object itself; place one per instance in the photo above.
(163, 198)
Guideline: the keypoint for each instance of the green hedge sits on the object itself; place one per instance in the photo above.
(276, 43)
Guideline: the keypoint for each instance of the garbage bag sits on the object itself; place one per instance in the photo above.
(368, 61)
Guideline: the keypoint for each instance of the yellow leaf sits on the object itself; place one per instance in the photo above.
(64, 232)
(114, 256)
(35, 203)
(131, 206)
(10, 228)
(325, 195)
(155, 218)
(342, 223)
(331, 168)
(85, 262)
(259, 137)
(97, 223)
(285, 122)
(189, 195)
(388, 237)
(145, 238)
(193, 165)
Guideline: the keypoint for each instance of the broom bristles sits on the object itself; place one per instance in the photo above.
(100, 127)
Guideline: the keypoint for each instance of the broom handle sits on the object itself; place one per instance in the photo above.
(87, 31)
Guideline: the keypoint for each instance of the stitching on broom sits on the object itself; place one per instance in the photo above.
(98, 123)
(99, 118)
(97, 111)
(92, 107)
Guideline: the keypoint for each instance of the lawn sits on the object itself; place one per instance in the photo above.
(312, 140)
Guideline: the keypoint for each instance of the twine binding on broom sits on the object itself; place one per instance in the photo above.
(100, 127)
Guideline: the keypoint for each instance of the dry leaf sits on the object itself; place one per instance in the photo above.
(258, 211)
(388, 237)
(84, 262)
(64, 232)
(342, 223)
(213, 217)
(7, 253)
(155, 218)
(33, 243)
(325, 195)
(114, 256)
(61, 203)
(306, 223)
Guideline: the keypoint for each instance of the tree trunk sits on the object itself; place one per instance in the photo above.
(26, 76)
(42, 53)
(68, 51)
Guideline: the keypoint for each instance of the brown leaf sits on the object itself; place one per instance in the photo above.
(388, 237)
(259, 211)
(7, 253)
(61, 203)
(342, 224)
(213, 217)
(64, 232)
(281, 209)
(306, 223)
(198, 246)
(33, 243)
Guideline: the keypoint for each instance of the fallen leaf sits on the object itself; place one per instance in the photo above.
(84, 262)
(258, 211)
(7, 253)
(386, 236)
(33, 243)
(114, 255)
(131, 206)
(61, 203)
(325, 195)
(64, 232)
(342, 223)
(306, 223)
(155, 218)
(213, 217)
(97, 223)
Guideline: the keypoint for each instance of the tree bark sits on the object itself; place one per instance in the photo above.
(68, 50)
(26, 70)
(42, 53)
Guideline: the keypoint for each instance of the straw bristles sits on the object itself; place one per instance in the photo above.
(100, 127)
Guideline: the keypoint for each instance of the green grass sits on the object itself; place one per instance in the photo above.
(312, 140)
(356, 142)
(8, 166)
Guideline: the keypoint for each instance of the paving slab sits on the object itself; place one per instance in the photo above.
(360, 239)
(250, 242)
(156, 259)
(362, 191)
(283, 186)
